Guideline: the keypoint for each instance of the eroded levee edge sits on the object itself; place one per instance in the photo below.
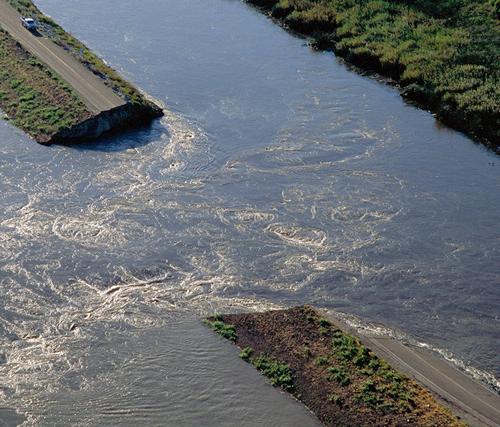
(124, 117)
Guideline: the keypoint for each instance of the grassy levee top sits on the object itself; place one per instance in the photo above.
(33, 96)
(56, 33)
(37, 100)
(445, 54)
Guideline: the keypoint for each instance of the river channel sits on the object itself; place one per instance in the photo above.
(277, 177)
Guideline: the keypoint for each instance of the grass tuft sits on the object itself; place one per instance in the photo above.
(223, 329)
(246, 353)
(279, 373)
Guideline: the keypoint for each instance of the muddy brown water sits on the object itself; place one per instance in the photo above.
(277, 177)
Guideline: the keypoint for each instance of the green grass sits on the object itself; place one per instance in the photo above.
(321, 360)
(339, 375)
(246, 353)
(57, 34)
(383, 387)
(279, 373)
(336, 399)
(35, 98)
(444, 53)
(324, 322)
(223, 329)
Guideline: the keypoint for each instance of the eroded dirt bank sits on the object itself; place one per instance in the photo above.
(124, 117)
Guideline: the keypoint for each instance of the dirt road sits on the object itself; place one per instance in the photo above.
(96, 95)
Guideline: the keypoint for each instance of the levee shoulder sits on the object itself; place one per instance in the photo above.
(55, 89)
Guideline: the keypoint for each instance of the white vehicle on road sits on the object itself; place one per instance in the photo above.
(29, 24)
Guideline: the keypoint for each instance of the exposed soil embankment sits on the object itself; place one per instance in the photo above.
(124, 117)
(331, 372)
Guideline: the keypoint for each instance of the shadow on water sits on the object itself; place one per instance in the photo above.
(123, 140)
(10, 418)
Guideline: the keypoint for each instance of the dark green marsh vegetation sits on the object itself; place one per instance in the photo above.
(33, 96)
(445, 54)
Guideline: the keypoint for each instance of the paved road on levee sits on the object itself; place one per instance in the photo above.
(95, 94)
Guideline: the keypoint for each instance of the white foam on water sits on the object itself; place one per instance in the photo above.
(297, 235)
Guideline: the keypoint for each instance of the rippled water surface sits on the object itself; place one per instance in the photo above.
(277, 177)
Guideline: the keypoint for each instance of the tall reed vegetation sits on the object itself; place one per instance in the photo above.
(444, 53)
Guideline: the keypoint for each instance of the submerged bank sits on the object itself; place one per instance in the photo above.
(56, 90)
(330, 371)
(443, 55)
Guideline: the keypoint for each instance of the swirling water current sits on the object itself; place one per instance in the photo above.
(277, 177)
